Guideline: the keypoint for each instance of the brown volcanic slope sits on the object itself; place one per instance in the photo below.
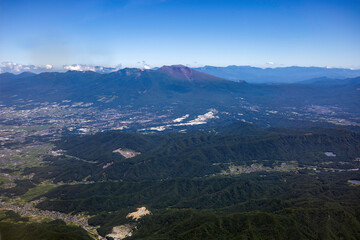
(188, 74)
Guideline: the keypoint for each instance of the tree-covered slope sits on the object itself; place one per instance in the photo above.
(255, 206)
(194, 154)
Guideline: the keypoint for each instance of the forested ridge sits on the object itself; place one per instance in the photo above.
(184, 181)
(195, 154)
(255, 206)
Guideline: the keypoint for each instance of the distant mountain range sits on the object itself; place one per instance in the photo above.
(233, 73)
(330, 81)
(129, 85)
(278, 75)
(168, 83)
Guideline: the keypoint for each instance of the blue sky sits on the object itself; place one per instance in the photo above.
(196, 32)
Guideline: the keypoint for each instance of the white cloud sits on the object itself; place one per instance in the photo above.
(146, 66)
(19, 68)
(79, 67)
(270, 63)
(84, 67)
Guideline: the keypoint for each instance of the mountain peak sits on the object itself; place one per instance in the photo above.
(178, 71)
(186, 73)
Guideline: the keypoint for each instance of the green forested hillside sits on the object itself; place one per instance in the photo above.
(255, 206)
(185, 180)
(194, 154)
(294, 223)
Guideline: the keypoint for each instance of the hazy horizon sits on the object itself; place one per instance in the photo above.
(11, 67)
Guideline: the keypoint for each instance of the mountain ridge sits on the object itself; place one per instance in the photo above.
(169, 85)
(186, 73)
(291, 74)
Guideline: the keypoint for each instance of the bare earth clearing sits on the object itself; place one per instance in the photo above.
(127, 153)
(126, 230)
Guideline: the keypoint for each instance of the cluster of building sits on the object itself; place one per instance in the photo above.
(28, 210)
